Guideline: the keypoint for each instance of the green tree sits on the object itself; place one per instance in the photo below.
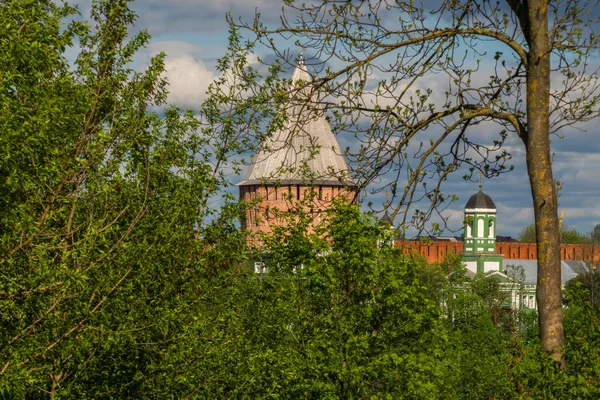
(582, 324)
(383, 63)
(568, 235)
(527, 235)
(105, 249)
(596, 234)
(336, 316)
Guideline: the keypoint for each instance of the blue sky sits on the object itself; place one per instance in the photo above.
(193, 33)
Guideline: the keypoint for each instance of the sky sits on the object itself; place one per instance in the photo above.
(193, 33)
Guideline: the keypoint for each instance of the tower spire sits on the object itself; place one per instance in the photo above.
(301, 57)
(304, 142)
(480, 180)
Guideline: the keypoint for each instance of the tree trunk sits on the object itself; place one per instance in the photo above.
(543, 190)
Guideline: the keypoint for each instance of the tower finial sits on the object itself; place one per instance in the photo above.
(480, 180)
(301, 57)
(387, 203)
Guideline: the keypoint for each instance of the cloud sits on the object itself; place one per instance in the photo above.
(162, 17)
(175, 48)
(185, 16)
(188, 81)
(187, 74)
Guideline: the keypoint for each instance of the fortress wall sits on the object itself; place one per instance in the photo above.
(435, 251)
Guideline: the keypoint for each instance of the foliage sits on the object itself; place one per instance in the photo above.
(347, 320)
(568, 235)
(119, 281)
(104, 247)
(527, 235)
(335, 316)
(595, 236)
(582, 324)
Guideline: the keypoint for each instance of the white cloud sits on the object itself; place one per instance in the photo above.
(187, 74)
(175, 48)
(188, 81)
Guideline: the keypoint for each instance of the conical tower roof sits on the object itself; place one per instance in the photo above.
(304, 149)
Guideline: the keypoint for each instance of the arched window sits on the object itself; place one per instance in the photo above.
(480, 232)
(491, 229)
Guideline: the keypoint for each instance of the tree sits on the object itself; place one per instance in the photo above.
(337, 316)
(596, 234)
(382, 61)
(476, 322)
(105, 249)
(568, 235)
(527, 235)
(582, 321)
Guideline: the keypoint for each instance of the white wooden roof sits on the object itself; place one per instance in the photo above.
(305, 149)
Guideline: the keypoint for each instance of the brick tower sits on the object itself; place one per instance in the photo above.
(301, 161)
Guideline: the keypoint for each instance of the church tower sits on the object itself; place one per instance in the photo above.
(480, 234)
(300, 162)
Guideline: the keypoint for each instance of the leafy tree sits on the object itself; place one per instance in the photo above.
(584, 290)
(336, 316)
(568, 235)
(596, 234)
(383, 63)
(527, 235)
(105, 249)
(582, 325)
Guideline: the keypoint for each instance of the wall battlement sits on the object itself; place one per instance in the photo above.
(435, 251)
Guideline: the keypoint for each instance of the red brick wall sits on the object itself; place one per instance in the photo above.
(434, 252)
(271, 202)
